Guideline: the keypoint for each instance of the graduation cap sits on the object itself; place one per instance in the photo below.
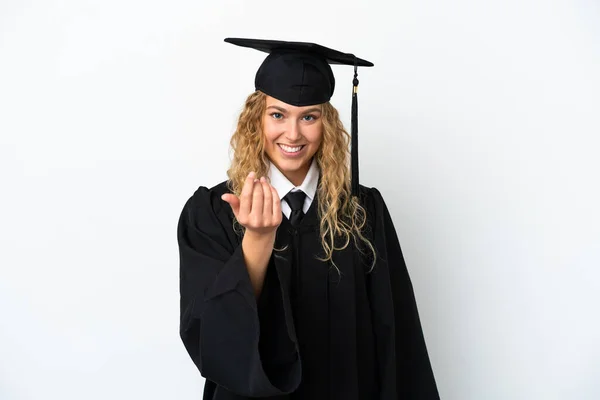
(299, 73)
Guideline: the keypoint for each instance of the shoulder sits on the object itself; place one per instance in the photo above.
(206, 204)
(209, 196)
(377, 212)
(370, 197)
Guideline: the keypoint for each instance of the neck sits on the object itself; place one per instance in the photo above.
(297, 177)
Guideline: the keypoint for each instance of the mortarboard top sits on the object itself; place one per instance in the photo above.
(298, 73)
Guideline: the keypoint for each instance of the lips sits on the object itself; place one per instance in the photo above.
(290, 149)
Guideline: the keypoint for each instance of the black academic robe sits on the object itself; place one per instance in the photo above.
(313, 333)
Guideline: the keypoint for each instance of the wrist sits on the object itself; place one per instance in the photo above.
(260, 237)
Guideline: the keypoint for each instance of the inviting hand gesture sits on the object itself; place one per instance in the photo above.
(258, 208)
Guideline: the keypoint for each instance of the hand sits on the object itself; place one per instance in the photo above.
(258, 208)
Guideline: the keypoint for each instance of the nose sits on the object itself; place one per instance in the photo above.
(293, 132)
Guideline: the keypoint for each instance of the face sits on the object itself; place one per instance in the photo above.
(292, 137)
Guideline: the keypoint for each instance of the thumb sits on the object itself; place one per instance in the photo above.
(233, 201)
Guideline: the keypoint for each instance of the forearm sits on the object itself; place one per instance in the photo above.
(257, 249)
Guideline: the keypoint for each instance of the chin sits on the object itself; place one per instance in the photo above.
(293, 168)
(287, 166)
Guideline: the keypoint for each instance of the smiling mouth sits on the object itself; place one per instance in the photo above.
(290, 149)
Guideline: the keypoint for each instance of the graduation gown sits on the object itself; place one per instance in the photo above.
(313, 333)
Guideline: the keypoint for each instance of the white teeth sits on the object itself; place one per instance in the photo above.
(289, 149)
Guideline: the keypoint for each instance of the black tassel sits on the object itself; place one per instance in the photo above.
(354, 131)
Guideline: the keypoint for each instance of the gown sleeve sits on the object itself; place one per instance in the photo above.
(404, 365)
(220, 318)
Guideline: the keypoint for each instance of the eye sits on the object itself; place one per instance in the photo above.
(309, 118)
(276, 115)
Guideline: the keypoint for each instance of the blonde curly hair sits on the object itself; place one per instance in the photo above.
(341, 215)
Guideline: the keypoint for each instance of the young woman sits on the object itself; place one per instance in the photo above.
(293, 282)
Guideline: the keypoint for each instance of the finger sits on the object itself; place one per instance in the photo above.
(267, 198)
(233, 201)
(246, 195)
(257, 200)
(276, 204)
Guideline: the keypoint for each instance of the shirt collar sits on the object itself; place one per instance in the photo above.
(284, 186)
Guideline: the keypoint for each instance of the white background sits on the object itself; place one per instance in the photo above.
(479, 124)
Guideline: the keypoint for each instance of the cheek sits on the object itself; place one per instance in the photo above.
(269, 130)
(316, 134)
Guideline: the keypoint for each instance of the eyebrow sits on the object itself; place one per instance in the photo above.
(283, 110)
